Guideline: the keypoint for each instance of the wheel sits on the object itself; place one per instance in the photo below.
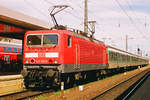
(68, 80)
(26, 84)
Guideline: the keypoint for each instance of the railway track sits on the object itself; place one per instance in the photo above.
(130, 91)
(125, 88)
(24, 95)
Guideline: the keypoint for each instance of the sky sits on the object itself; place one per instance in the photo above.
(115, 19)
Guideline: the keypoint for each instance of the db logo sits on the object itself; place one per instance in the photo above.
(41, 55)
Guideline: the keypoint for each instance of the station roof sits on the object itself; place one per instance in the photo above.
(20, 20)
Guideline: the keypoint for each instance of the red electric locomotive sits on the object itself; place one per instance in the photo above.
(10, 57)
(53, 56)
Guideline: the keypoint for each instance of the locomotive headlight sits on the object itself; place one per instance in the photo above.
(32, 61)
(55, 61)
(26, 61)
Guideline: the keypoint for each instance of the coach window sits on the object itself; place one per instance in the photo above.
(5, 50)
(9, 50)
(69, 41)
(20, 50)
(15, 50)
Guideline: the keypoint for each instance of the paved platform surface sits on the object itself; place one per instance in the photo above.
(143, 92)
(11, 84)
(10, 77)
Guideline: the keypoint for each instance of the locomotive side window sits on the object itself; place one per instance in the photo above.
(50, 40)
(5, 49)
(34, 40)
(15, 50)
(10, 50)
(69, 41)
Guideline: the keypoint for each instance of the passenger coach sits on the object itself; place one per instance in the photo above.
(10, 57)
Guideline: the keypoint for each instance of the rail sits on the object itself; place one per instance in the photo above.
(108, 91)
(133, 88)
(24, 94)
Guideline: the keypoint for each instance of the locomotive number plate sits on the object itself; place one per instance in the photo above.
(41, 54)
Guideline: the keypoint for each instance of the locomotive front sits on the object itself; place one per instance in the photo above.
(41, 58)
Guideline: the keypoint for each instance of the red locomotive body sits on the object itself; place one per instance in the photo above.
(68, 49)
(61, 52)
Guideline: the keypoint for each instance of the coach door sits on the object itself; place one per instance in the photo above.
(77, 56)
(7, 59)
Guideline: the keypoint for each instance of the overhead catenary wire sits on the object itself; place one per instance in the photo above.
(130, 18)
(80, 19)
(131, 9)
(75, 16)
(134, 13)
(35, 8)
(144, 23)
(42, 13)
(65, 10)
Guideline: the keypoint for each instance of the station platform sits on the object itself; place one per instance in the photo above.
(11, 84)
(10, 77)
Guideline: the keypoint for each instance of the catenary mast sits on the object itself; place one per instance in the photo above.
(86, 17)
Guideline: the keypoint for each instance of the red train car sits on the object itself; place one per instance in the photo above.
(61, 55)
(53, 56)
(10, 57)
(9, 28)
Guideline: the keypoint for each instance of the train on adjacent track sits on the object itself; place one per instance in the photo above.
(10, 57)
(53, 56)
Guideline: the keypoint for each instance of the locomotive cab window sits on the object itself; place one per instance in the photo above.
(46, 40)
(34, 40)
(50, 40)
(69, 41)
